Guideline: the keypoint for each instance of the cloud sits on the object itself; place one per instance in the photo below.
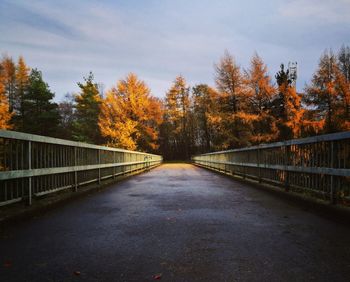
(325, 11)
(161, 39)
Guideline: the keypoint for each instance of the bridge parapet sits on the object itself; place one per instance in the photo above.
(319, 166)
(33, 165)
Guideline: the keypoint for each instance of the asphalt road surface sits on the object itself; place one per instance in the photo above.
(177, 223)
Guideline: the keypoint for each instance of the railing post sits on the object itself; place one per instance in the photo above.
(29, 168)
(114, 164)
(75, 172)
(333, 187)
(259, 166)
(286, 163)
(99, 169)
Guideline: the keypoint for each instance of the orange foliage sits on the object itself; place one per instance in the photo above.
(130, 117)
(5, 115)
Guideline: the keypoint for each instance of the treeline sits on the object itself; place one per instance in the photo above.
(246, 107)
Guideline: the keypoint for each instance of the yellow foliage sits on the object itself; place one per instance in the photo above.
(5, 115)
(130, 116)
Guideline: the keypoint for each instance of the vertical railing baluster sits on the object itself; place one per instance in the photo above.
(29, 168)
(99, 169)
(75, 171)
(333, 187)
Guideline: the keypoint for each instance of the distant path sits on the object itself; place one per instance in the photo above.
(184, 222)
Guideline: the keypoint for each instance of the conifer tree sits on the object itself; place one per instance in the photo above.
(286, 107)
(66, 109)
(130, 116)
(328, 94)
(5, 115)
(205, 108)
(177, 119)
(87, 111)
(259, 91)
(229, 82)
(236, 128)
(40, 114)
(9, 80)
(22, 82)
(344, 61)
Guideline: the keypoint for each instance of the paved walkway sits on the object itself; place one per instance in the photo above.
(177, 223)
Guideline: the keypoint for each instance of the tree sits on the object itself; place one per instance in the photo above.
(87, 111)
(9, 80)
(344, 84)
(130, 116)
(176, 120)
(67, 116)
(22, 84)
(286, 107)
(40, 114)
(235, 125)
(328, 94)
(259, 92)
(228, 80)
(344, 62)
(205, 109)
(5, 115)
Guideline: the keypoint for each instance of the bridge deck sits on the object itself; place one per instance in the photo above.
(184, 222)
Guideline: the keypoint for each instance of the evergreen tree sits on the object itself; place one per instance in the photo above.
(67, 117)
(39, 113)
(286, 107)
(87, 111)
(22, 83)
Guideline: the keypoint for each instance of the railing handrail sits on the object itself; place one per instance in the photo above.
(308, 140)
(51, 140)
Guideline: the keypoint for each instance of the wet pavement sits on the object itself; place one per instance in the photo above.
(176, 223)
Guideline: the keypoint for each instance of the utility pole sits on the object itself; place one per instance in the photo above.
(292, 73)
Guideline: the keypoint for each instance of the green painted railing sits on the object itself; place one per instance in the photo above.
(32, 165)
(319, 166)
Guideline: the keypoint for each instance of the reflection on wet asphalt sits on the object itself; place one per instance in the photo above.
(181, 223)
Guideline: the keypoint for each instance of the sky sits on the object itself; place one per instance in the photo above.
(160, 39)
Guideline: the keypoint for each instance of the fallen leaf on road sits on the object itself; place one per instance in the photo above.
(7, 264)
(157, 276)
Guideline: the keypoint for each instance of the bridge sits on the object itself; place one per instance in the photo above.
(175, 221)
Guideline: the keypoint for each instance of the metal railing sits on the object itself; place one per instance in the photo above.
(319, 166)
(33, 165)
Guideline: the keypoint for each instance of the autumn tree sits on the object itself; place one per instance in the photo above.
(229, 82)
(5, 115)
(176, 121)
(328, 94)
(259, 92)
(9, 79)
(130, 116)
(205, 112)
(87, 111)
(344, 84)
(39, 112)
(286, 107)
(21, 87)
(344, 62)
